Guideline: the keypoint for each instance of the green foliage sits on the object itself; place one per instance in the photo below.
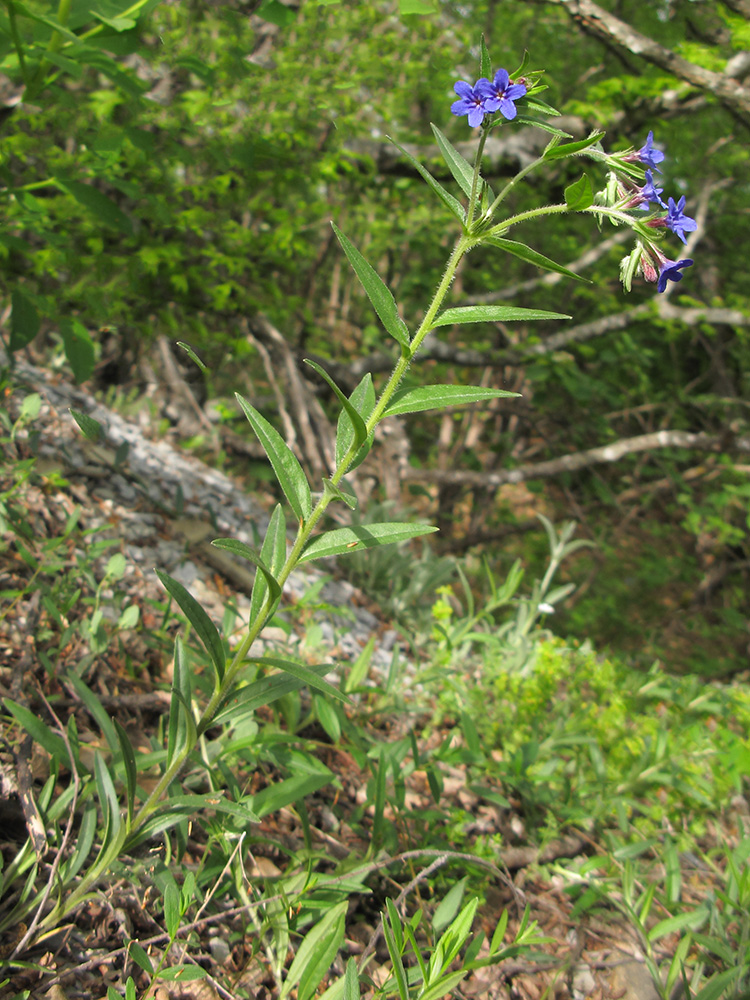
(173, 192)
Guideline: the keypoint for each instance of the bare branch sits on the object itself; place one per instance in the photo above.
(606, 26)
(583, 459)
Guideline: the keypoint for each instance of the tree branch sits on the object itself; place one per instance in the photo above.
(583, 459)
(611, 29)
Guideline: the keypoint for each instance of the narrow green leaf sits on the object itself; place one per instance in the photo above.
(191, 354)
(432, 397)
(360, 431)
(693, 920)
(363, 400)
(485, 63)
(351, 981)
(207, 631)
(24, 11)
(461, 169)
(289, 472)
(105, 788)
(128, 759)
(399, 972)
(24, 320)
(492, 314)
(83, 843)
(38, 730)
(264, 692)
(449, 905)
(315, 953)
(340, 493)
(172, 913)
(532, 256)
(79, 348)
(542, 124)
(117, 24)
(184, 973)
(396, 925)
(360, 536)
(284, 793)
(273, 554)
(580, 194)
(453, 204)
(443, 986)
(377, 292)
(141, 959)
(304, 674)
(539, 105)
(97, 203)
(90, 428)
(568, 148)
(238, 548)
(181, 725)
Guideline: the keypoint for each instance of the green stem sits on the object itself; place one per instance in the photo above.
(17, 43)
(511, 184)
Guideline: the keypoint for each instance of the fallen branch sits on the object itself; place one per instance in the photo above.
(582, 459)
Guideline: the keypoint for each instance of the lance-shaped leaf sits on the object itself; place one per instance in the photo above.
(340, 493)
(302, 673)
(263, 692)
(532, 256)
(485, 63)
(24, 320)
(207, 631)
(431, 397)
(546, 109)
(377, 292)
(273, 554)
(105, 789)
(362, 536)
(360, 431)
(98, 711)
(238, 548)
(492, 314)
(289, 473)
(542, 124)
(363, 400)
(128, 759)
(446, 197)
(38, 730)
(461, 169)
(192, 355)
(181, 730)
(568, 148)
(90, 428)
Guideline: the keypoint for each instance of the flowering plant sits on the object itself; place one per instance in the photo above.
(499, 99)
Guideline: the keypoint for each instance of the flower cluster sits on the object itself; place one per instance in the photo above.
(647, 259)
(486, 97)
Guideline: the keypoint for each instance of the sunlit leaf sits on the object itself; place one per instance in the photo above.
(289, 472)
(343, 540)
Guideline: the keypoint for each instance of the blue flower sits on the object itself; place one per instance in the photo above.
(648, 155)
(677, 221)
(650, 192)
(472, 103)
(669, 270)
(501, 93)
